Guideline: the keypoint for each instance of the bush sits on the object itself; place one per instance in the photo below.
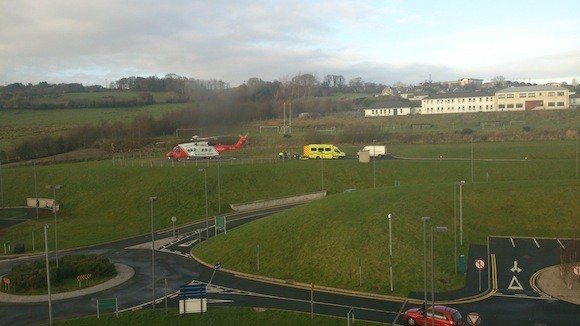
(32, 276)
(527, 128)
(467, 131)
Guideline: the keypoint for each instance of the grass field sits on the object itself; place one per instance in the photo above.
(102, 201)
(214, 316)
(16, 125)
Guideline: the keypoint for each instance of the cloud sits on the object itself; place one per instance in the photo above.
(380, 41)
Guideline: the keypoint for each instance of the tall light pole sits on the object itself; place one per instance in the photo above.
(321, 169)
(1, 188)
(206, 207)
(374, 160)
(460, 183)
(35, 188)
(390, 252)
(47, 274)
(425, 220)
(152, 200)
(472, 159)
(54, 208)
(436, 229)
(461, 212)
(219, 189)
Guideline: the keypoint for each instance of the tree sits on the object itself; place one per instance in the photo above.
(356, 84)
(498, 81)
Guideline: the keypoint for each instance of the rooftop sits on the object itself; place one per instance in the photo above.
(532, 89)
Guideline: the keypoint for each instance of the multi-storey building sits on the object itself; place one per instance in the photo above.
(532, 98)
(457, 103)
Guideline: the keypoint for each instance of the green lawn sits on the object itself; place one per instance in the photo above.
(214, 316)
(103, 202)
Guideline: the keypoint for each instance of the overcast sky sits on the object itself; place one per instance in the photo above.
(388, 41)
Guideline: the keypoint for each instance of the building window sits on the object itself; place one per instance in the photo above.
(531, 94)
(560, 103)
(551, 104)
(501, 106)
(522, 95)
(510, 96)
(510, 106)
(519, 105)
(560, 93)
(501, 96)
(551, 93)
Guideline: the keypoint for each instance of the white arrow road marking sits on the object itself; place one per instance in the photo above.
(515, 269)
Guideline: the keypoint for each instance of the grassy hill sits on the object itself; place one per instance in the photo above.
(320, 242)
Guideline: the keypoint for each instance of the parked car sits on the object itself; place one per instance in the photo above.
(444, 316)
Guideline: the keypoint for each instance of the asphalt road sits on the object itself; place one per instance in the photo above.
(500, 302)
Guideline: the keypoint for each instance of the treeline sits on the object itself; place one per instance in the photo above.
(44, 96)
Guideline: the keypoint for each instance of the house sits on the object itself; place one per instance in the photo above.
(528, 98)
(391, 108)
(574, 101)
(457, 103)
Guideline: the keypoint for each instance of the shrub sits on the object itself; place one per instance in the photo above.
(467, 131)
(32, 276)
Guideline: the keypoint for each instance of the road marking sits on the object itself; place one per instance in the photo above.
(523, 296)
(515, 269)
(515, 284)
(513, 244)
(561, 245)
(188, 243)
(537, 244)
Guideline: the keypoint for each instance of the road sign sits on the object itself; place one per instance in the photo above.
(473, 318)
(479, 263)
(577, 270)
(217, 266)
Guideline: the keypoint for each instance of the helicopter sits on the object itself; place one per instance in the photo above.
(202, 148)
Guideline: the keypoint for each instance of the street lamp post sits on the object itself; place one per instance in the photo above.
(35, 189)
(151, 200)
(436, 229)
(206, 207)
(461, 212)
(47, 274)
(425, 220)
(390, 252)
(374, 160)
(219, 188)
(54, 208)
(1, 188)
(321, 169)
(460, 183)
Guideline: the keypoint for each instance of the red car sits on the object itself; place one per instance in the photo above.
(444, 316)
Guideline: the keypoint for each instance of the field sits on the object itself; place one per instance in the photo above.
(214, 316)
(505, 198)
(521, 182)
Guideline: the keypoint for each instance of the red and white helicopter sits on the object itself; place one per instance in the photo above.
(201, 148)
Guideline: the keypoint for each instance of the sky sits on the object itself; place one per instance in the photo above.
(388, 41)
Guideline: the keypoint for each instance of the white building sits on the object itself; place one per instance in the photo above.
(457, 103)
(574, 101)
(391, 108)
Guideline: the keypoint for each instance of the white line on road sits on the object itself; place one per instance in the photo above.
(561, 245)
(513, 244)
(537, 244)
